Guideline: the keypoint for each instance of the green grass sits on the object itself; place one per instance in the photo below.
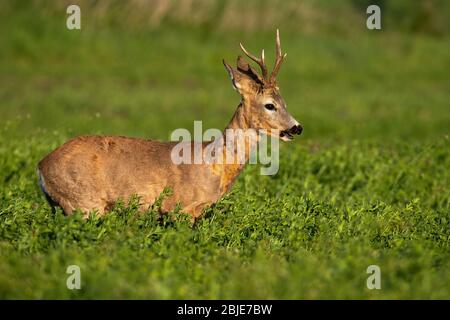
(367, 183)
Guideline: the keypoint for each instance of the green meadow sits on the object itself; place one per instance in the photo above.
(367, 183)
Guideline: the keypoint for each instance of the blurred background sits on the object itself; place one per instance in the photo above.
(145, 68)
(366, 183)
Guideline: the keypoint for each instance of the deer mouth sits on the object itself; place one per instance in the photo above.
(288, 135)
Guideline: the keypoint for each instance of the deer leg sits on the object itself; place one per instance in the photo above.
(195, 210)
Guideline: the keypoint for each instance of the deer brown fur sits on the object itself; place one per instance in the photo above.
(91, 173)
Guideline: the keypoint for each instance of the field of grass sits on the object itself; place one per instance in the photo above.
(367, 183)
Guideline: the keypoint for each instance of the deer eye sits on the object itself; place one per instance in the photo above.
(269, 106)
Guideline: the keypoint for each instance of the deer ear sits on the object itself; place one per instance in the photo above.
(231, 73)
(241, 81)
(247, 69)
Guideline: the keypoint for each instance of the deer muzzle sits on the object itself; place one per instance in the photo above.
(287, 135)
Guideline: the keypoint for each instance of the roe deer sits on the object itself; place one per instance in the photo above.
(93, 172)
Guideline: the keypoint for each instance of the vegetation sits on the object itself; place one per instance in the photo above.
(367, 183)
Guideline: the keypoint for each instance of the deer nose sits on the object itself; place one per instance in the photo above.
(297, 129)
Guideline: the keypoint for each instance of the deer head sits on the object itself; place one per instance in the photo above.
(263, 106)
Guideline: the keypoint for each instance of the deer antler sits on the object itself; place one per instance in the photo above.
(259, 61)
(262, 64)
(279, 59)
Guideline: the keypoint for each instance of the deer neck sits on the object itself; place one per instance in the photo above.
(239, 147)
